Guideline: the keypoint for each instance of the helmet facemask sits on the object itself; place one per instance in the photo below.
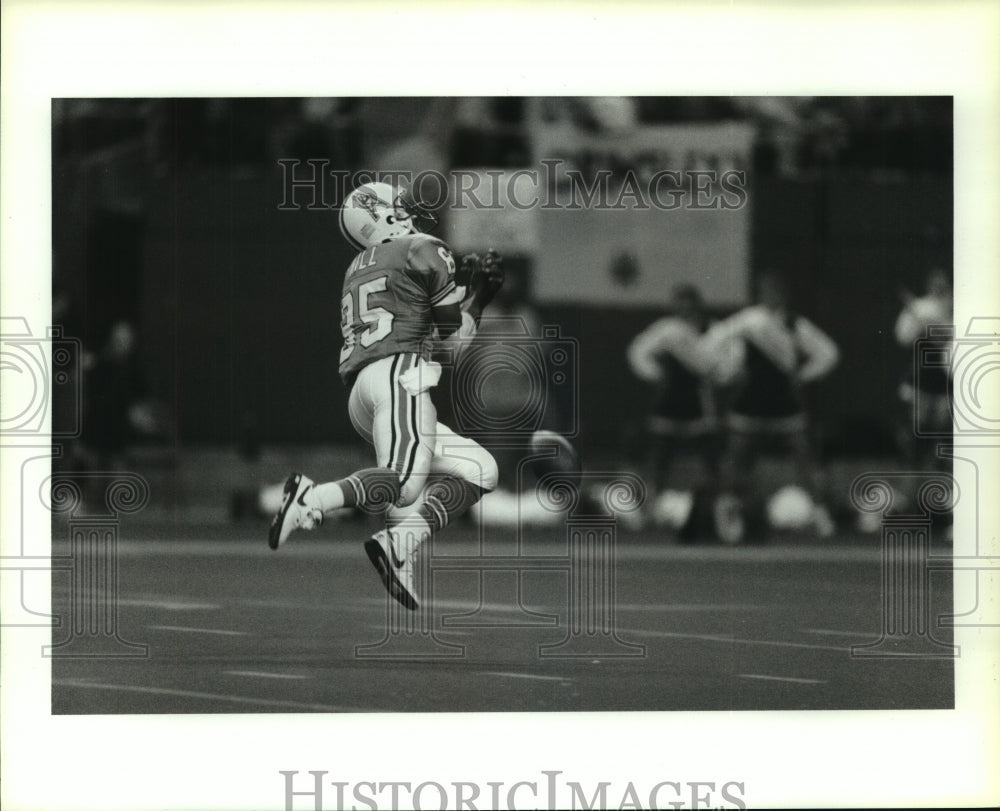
(407, 206)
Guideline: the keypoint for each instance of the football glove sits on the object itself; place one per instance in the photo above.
(488, 277)
(474, 264)
(468, 265)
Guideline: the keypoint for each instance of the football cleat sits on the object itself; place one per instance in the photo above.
(396, 572)
(294, 512)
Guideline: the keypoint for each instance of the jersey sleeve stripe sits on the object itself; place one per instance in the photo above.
(442, 294)
(455, 297)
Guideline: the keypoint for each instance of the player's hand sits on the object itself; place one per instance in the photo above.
(467, 268)
(474, 264)
(487, 278)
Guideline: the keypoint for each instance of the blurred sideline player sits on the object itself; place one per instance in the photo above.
(670, 355)
(767, 352)
(925, 397)
(399, 295)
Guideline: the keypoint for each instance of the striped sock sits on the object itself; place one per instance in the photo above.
(373, 489)
(446, 499)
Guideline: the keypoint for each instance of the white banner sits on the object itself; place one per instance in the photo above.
(493, 208)
(627, 216)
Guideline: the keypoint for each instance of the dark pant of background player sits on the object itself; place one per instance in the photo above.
(683, 423)
(670, 439)
(927, 404)
(759, 422)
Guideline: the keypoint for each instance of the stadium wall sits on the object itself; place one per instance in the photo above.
(241, 328)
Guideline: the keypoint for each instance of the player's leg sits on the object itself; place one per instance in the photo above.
(808, 475)
(709, 447)
(662, 449)
(404, 430)
(386, 414)
(462, 472)
(400, 425)
(735, 468)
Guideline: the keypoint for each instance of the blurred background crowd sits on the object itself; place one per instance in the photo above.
(797, 137)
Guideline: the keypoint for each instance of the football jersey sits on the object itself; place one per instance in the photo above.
(913, 323)
(669, 353)
(389, 290)
(775, 353)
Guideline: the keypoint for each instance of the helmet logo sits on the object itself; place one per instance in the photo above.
(367, 201)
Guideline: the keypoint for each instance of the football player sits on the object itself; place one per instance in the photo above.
(926, 396)
(400, 296)
(768, 352)
(928, 393)
(670, 356)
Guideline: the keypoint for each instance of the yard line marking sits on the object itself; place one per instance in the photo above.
(184, 629)
(472, 606)
(548, 610)
(688, 607)
(262, 675)
(305, 605)
(855, 634)
(169, 604)
(780, 678)
(166, 691)
(311, 550)
(730, 640)
(525, 676)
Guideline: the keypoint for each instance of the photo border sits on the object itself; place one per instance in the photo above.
(787, 759)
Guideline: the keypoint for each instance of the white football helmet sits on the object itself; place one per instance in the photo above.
(376, 212)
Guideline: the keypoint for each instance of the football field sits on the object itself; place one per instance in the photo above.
(232, 627)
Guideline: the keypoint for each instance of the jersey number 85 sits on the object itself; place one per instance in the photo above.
(378, 319)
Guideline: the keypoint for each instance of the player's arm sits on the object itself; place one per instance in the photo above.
(668, 335)
(820, 351)
(693, 353)
(448, 319)
(643, 351)
(431, 264)
(721, 348)
(484, 277)
(909, 324)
